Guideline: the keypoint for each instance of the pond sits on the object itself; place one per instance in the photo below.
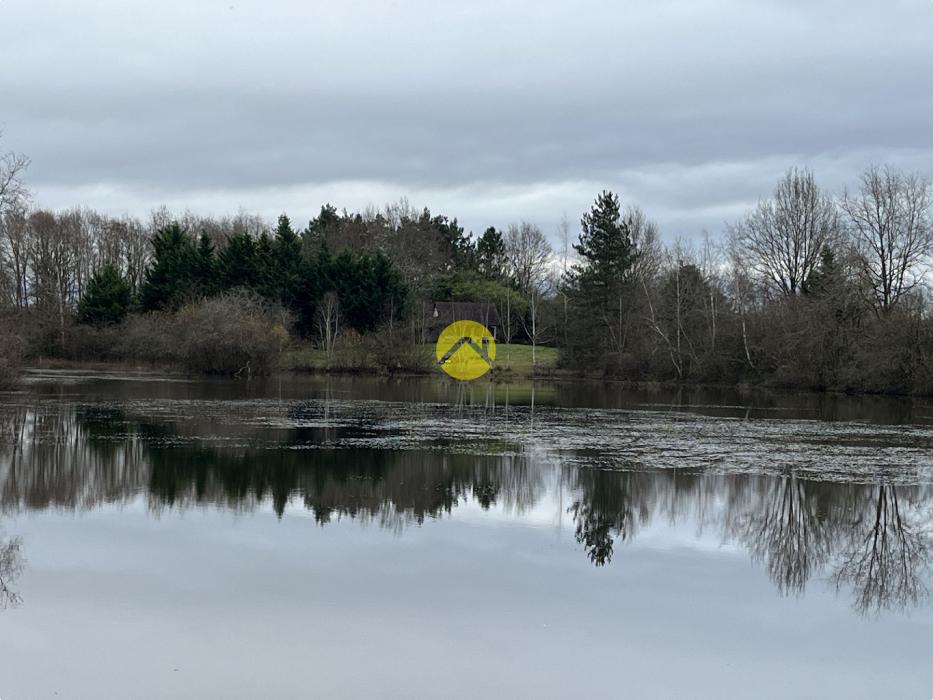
(359, 537)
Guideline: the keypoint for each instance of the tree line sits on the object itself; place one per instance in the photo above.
(809, 289)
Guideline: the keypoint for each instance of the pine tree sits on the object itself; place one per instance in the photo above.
(600, 286)
(456, 244)
(236, 262)
(170, 278)
(325, 224)
(267, 282)
(106, 299)
(605, 245)
(205, 266)
(490, 254)
(824, 276)
(288, 263)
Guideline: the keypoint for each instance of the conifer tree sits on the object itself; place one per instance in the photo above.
(491, 259)
(288, 263)
(600, 284)
(236, 262)
(205, 266)
(267, 282)
(170, 279)
(106, 299)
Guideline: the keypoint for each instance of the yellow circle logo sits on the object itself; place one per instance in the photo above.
(465, 350)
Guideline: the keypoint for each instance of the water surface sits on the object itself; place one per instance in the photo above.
(313, 537)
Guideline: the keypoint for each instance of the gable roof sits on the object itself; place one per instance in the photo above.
(446, 312)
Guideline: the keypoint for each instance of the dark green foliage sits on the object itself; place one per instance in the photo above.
(106, 299)
(491, 259)
(369, 290)
(320, 228)
(171, 278)
(266, 275)
(823, 278)
(237, 263)
(600, 289)
(454, 243)
(288, 264)
(605, 246)
(205, 267)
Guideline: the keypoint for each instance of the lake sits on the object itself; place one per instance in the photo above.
(304, 537)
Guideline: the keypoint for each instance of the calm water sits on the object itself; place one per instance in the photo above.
(351, 538)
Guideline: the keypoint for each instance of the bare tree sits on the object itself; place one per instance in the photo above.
(12, 189)
(13, 198)
(529, 255)
(534, 322)
(14, 254)
(742, 292)
(328, 323)
(782, 238)
(564, 233)
(646, 240)
(889, 219)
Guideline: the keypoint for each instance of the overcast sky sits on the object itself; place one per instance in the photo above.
(489, 111)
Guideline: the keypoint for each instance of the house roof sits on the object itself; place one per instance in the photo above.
(446, 312)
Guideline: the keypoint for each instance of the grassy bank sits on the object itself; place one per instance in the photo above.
(511, 360)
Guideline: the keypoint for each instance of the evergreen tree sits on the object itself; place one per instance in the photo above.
(205, 266)
(324, 225)
(605, 245)
(267, 282)
(456, 244)
(824, 276)
(491, 258)
(106, 299)
(170, 278)
(288, 263)
(236, 263)
(600, 286)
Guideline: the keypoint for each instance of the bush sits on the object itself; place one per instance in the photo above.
(237, 333)
(392, 350)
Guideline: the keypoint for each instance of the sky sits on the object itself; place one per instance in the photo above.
(492, 112)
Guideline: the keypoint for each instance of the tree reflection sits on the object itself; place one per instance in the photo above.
(886, 556)
(606, 509)
(781, 523)
(871, 539)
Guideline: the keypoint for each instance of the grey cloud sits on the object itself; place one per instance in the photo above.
(200, 104)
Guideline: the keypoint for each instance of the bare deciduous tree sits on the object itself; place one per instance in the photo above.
(12, 189)
(782, 238)
(328, 323)
(646, 240)
(529, 255)
(890, 224)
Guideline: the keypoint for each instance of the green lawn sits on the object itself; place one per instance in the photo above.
(517, 358)
(510, 359)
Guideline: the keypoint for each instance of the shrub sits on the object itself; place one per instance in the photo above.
(392, 350)
(237, 333)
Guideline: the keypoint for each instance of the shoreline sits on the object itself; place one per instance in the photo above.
(502, 376)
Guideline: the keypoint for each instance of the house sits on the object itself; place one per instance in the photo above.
(443, 313)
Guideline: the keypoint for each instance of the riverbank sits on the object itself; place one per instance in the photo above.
(512, 361)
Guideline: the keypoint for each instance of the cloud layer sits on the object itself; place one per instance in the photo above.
(488, 111)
